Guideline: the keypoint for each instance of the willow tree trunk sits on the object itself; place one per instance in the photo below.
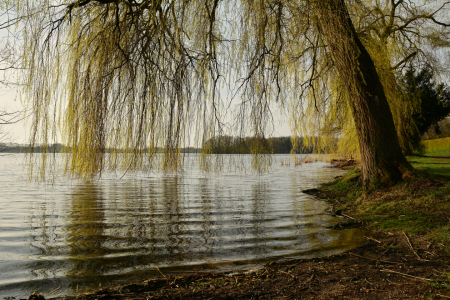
(381, 154)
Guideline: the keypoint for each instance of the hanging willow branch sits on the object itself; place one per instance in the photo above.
(119, 81)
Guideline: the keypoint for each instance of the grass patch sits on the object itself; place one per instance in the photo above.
(419, 206)
(431, 165)
(442, 153)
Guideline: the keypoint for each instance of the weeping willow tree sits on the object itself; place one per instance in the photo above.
(142, 77)
(398, 34)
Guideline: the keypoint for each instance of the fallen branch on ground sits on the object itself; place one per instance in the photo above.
(374, 259)
(403, 274)
(408, 241)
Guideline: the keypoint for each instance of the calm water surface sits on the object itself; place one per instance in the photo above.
(77, 235)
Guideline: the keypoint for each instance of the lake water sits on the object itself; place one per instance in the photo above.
(74, 236)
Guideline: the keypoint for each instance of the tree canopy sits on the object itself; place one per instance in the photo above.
(161, 74)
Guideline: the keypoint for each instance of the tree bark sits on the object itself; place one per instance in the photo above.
(381, 154)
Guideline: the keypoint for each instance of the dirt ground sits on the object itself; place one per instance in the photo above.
(386, 266)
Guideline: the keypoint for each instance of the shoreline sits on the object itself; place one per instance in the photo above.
(383, 267)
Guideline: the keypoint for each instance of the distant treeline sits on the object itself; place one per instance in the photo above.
(60, 148)
(275, 145)
(17, 148)
(217, 145)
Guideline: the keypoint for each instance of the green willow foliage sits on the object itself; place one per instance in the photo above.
(147, 75)
(399, 34)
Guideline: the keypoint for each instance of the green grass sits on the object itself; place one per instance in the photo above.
(418, 206)
(441, 153)
(431, 165)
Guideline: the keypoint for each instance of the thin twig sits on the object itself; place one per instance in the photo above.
(160, 271)
(374, 290)
(371, 238)
(374, 259)
(443, 296)
(55, 290)
(410, 246)
(312, 276)
(347, 216)
(398, 283)
(286, 273)
(387, 249)
(403, 274)
(195, 272)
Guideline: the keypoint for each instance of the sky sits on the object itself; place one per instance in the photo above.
(8, 102)
(19, 131)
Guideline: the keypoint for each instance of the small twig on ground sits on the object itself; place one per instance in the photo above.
(287, 273)
(160, 271)
(443, 296)
(397, 283)
(55, 290)
(387, 249)
(408, 241)
(374, 259)
(406, 275)
(195, 272)
(374, 290)
(347, 216)
(262, 274)
(371, 238)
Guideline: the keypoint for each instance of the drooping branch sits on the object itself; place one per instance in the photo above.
(405, 60)
(144, 76)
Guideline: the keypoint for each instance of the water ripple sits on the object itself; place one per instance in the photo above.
(77, 235)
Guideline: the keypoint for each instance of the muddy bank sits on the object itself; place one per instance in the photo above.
(345, 164)
(387, 266)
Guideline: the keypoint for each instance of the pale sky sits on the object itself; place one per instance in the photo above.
(8, 103)
(20, 130)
